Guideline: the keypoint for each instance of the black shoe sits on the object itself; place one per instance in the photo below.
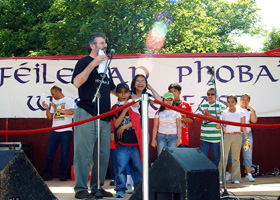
(113, 183)
(104, 193)
(84, 195)
(62, 177)
(47, 178)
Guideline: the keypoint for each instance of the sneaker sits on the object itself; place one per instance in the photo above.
(83, 195)
(228, 176)
(113, 183)
(104, 193)
(47, 178)
(249, 178)
(62, 177)
(236, 182)
(129, 189)
(120, 194)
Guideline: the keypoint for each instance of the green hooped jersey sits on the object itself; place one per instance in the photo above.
(209, 132)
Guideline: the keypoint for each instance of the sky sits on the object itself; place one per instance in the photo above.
(269, 17)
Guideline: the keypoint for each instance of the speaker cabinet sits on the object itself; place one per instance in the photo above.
(182, 174)
(19, 180)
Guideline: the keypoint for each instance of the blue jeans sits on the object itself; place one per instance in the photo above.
(63, 138)
(215, 149)
(127, 155)
(164, 140)
(247, 155)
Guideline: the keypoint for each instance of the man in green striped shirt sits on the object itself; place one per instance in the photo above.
(210, 136)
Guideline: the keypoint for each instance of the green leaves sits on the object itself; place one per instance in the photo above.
(61, 27)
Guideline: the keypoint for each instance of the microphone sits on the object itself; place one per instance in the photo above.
(111, 53)
(210, 70)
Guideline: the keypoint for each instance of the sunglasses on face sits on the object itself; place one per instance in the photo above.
(212, 94)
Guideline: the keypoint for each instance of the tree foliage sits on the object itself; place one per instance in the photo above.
(61, 27)
(273, 40)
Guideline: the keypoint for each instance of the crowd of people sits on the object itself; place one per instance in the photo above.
(122, 132)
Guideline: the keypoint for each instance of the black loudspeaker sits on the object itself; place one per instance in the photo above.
(19, 180)
(182, 174)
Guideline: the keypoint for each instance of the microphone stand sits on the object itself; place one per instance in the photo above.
(98, 194)
(225, 194)
(212, 81)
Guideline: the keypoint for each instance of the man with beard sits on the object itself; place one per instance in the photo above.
(87, 76)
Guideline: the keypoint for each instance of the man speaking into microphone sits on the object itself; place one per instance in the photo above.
(87, 76)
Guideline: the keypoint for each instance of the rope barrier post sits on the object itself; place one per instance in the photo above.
(145, 143)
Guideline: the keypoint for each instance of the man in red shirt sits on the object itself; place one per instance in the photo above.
(175, 89)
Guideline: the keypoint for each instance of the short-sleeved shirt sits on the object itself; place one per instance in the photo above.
(208, 132)
(167, 121)
(248, 116)
(233, 117)
(128, 137)
(59, 119)
(88, 89)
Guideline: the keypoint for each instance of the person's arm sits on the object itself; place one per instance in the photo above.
(253, 115)
(179, 131)
(48, 114)
(155, 94)
(155, 131)
(244, 129)
(122, 129)
(82, 77)
(119, 120)
(187, 120)
(65, 112)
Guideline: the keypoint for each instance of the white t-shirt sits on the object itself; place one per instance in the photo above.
(247, 115)
(167, 121)
(233, 117)
(60, 119)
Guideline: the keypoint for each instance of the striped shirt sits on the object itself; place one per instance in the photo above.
(209, 133)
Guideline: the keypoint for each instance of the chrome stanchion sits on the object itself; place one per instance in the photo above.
(145, 146)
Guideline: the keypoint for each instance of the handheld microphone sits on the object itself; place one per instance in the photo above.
(111, 53)
(210, 71)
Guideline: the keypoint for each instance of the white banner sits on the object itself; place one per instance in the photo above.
(23, 81)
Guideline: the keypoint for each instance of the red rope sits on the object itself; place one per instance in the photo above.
(18, 132)
(217, 120)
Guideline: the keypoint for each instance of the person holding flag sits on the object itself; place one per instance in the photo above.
(128, 141)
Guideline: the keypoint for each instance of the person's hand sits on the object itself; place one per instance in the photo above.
(112, 137)
(99, 59)
(149, 87)
(154, 143)
(54, 106)
(45, 105)
(179, 141)
(206, 113)
(120, 132)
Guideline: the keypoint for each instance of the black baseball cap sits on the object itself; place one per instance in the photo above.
(122, 85)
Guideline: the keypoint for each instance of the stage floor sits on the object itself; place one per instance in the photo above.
(265, 188)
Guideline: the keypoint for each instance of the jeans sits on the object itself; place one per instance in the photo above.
(215, 149)
(63, 138)
(127, 155)
(85, 150)
(247, 155)
(164, 140)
